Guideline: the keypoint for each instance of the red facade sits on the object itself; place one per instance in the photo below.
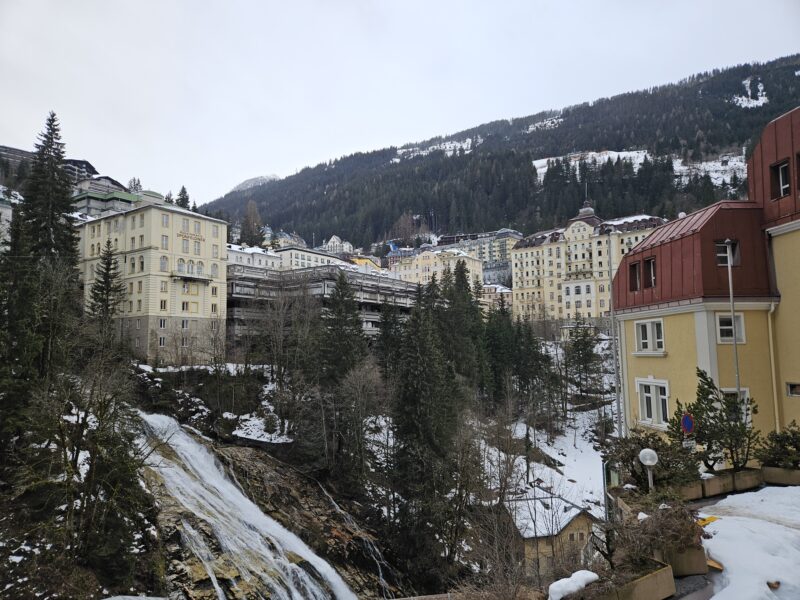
(779, 145)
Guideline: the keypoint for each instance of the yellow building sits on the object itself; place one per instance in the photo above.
(173, 266)
(566, 273)
(368, 261)
(491, 296)
(421, 267)
(671, 296)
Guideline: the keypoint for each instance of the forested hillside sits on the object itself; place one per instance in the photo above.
(483, 178)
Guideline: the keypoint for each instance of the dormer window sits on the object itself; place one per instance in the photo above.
(635, 276)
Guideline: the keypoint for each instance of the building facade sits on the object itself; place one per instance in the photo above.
(492, 248)
(566, 273)
(173, 266)
(299, 257)
(671, 296)
(420, 268)
(493, 294)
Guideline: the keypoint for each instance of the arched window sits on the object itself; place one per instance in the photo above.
(200, 267)
(164, 263)
(181, 265)
(191, 267)
(141, 263)
(214, 270)
(92, 251)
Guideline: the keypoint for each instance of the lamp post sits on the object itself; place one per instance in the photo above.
(649, 458)
(729, 247)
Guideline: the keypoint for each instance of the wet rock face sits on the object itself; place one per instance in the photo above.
(297, 503)
(300, 505)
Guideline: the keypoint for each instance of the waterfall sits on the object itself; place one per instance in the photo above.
(264, 553)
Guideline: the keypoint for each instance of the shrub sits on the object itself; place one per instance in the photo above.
(782, 448)
(675, 465)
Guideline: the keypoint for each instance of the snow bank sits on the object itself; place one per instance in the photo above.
(574, 583)
(757, 539)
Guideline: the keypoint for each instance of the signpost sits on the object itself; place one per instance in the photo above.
(687, 426)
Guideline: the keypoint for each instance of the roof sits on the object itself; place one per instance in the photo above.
(688, 225)
(251, 250)
(538, 513)
(538, 238)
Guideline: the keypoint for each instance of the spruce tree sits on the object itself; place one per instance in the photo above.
(108, 290)
(343, 344)
(252, 232)
(168, 198)
(47, 206)
(183, 198)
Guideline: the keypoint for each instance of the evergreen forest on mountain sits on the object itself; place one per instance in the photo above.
(361, 197)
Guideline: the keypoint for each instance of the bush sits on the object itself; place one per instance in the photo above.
(675, 465)
(782, 448)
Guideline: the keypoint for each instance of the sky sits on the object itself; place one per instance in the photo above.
(207, 94)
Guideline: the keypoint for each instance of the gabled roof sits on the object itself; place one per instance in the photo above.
(688, 225)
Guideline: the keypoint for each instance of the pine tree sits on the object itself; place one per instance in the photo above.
(108, 290)
(168, 198)
(134, 185)
(183, 198)
(252, 232)
(47, 206)
(343, 344)
(194, 207)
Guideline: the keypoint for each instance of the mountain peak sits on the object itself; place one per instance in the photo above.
(254, 181)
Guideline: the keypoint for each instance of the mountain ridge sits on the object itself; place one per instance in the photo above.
(475, 178)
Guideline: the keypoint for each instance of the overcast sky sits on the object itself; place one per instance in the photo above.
(207, 94)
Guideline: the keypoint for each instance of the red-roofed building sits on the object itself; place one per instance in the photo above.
(671, 296)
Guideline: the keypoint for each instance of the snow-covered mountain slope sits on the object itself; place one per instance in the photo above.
(719, 169)
(254, 181)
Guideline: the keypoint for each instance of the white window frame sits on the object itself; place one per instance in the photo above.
(652, 339)
(740, 328)
(658, 419)
(784, 185)
(162, 342)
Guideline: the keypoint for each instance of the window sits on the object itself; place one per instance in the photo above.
(164, 220)
(725, 328)
(185, 225)
(634, 277)
(139, 305)
(214, 308)
(214, 251)
(566, 291)
(197, 227)
(163, 305)
(779, 180)
(163, 286)
(721, 250)
(741, 410)
(184, 306)
(137, 342)
(165, 242)
(141, 264)
(141, 220)
(200, 268)
(577, 290)
(653, 402)
(163, 264)
(130, 287)
(213, 290)
(141, 241)
(184, 323)
(649, 336)
(190, 267)
(185, 246)
(181, 265)
(184, 342)
(138, 323)
(133, 242)
(215, 231)
(139, 286)
(132, 266)
(650, 272)
(601, 288)
(793, 389)
(197, 248)
(162, 341)
(162, 323)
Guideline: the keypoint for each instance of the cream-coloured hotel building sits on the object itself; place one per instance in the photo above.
(173, 264)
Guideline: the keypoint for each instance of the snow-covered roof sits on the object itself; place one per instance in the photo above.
(251, 250)
(630, 219)
(499, 289)
(538, 513)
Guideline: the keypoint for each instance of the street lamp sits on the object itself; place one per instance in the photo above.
(649, 458)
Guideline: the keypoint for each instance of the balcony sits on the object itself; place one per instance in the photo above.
(191, 276)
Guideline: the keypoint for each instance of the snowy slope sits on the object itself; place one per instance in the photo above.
(254, 181)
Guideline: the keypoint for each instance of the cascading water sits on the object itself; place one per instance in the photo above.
(265, 555)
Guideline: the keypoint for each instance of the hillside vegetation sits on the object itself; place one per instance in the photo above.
(483, 178)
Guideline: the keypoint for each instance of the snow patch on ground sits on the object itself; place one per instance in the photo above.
(550, 123)
(574, 583)
(449, 148)
(748, 101)
(263, 425)
(757, 539)
(720, 170)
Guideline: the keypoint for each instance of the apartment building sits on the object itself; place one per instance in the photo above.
(173, 266)
(493, 294)
(671, 296)
(299, 257)
(492, 248)
(566, 273)
(420, 268)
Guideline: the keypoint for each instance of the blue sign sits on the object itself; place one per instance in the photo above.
(687, 423)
